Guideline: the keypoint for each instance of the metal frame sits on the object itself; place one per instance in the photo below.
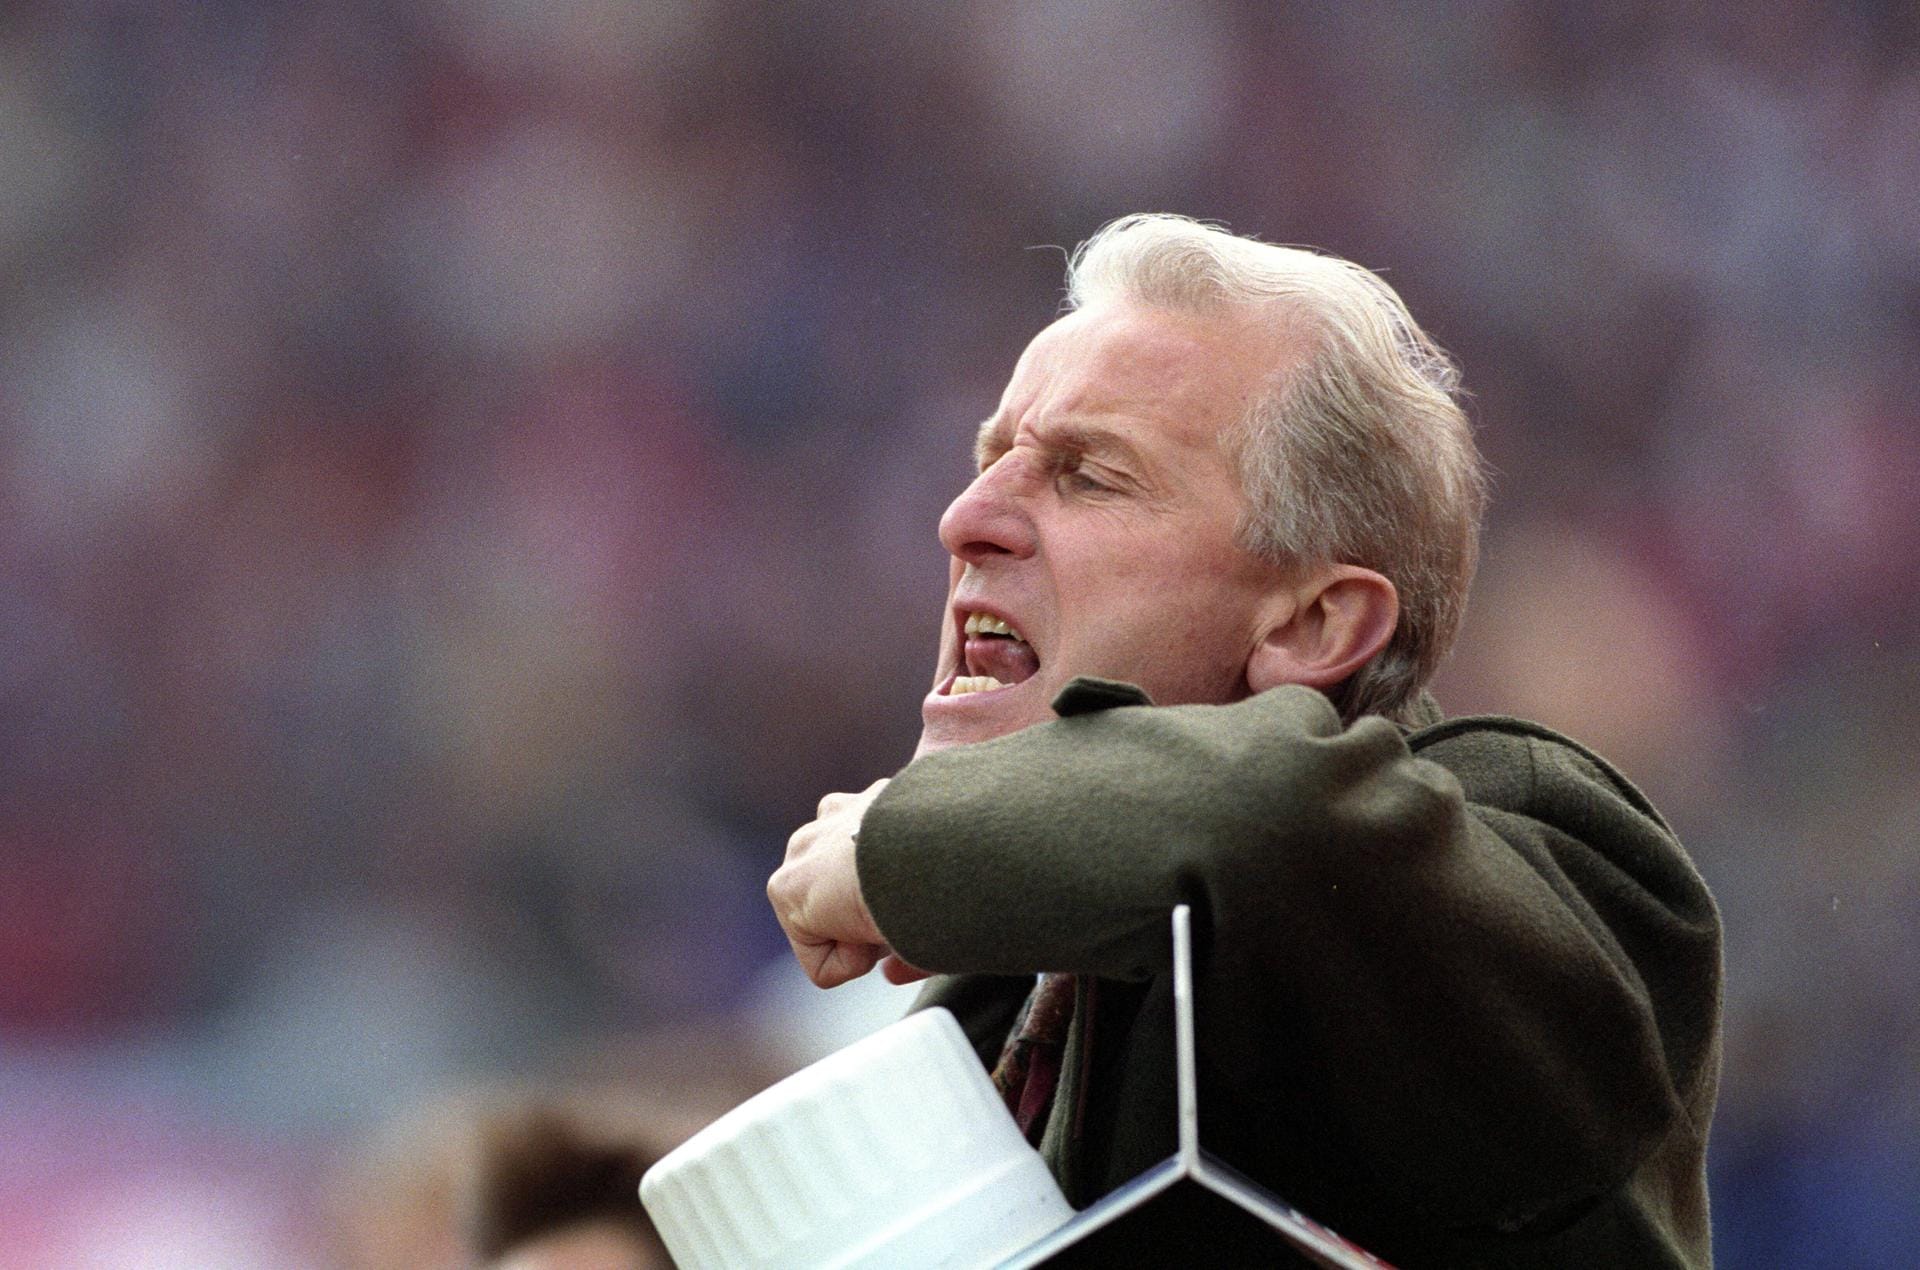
(1193, 1162)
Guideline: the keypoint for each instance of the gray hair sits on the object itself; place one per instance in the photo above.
(1358, 454)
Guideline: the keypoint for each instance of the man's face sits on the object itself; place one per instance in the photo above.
(1101, 525)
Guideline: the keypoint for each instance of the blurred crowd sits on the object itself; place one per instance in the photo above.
(468, 472)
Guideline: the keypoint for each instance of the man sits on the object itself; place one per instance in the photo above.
(1457, 984)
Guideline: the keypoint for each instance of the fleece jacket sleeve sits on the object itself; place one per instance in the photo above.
(1486, 956)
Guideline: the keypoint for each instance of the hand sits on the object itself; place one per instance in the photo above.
(816, 895)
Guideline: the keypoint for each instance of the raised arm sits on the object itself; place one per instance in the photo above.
(1488, 958)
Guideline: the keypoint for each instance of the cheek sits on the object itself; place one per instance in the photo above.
(1201, 629)
(1170, 610)
(1175, 636)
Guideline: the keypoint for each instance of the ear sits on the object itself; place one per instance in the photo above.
(1340, 618)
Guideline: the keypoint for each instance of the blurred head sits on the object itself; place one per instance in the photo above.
(549, 1193)
(1229, 466)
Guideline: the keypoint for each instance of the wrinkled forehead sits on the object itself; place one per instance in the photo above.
(1196, 372)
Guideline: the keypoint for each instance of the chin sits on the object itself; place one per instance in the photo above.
(934, 739)
(949, 721)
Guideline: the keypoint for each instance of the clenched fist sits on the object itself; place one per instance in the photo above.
(816, 895)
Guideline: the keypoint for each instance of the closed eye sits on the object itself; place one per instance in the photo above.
(1073, 458)
(1078, 479)
(1073, 473)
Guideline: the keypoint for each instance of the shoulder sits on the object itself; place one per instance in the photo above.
(1552, 797)
(1506, 760)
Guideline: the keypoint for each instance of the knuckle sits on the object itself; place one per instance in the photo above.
(783, 892)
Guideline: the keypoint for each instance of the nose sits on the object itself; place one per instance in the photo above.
(989, 518)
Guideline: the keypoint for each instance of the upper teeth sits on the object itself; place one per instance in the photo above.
(987, 624)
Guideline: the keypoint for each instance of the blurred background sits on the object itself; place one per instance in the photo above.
(468, 473)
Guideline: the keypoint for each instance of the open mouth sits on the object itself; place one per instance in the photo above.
(993, 655)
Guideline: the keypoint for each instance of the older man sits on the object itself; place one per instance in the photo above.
(1458, 985)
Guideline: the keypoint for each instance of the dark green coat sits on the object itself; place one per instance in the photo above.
(1457, 986)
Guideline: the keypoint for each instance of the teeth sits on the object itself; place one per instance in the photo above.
(986, 624)
(964, 684)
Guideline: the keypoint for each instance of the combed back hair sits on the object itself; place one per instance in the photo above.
(1357, 453)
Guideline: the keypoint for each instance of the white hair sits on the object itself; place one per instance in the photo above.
(1358, 453)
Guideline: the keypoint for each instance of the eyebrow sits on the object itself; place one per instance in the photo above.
(1064, 438)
